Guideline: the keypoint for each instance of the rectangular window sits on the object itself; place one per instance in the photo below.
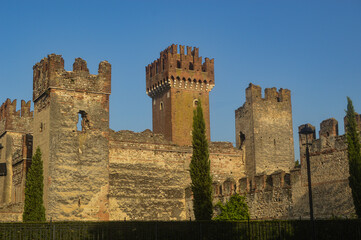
(2, 169)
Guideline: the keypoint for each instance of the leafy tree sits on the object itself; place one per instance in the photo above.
(34, 210)
(354, 156)
(200, 168)
(235, 208)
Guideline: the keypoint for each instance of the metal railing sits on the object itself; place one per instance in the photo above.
(179, 230)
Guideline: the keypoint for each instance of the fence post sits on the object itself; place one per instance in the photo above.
(279, 229)
(200, 230)
(156, 230)
(249, 230)
(53, 228)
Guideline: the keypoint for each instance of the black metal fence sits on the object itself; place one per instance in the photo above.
(197, 230)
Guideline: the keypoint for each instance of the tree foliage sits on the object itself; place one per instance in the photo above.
(354, 156)
(200, 168)
(235, 208)
(34, 210)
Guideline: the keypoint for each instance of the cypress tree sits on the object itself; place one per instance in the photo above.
(34, 210)
(354, 156)
(200, 168)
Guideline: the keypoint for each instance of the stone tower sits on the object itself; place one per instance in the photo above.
(71, 117)
(264, 130)
(176, 82)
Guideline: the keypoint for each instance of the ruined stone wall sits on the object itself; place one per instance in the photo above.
(264, 127)
(75, 159)
(149, 177)
(329, 173)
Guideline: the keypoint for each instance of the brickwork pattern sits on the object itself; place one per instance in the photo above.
(174, 82)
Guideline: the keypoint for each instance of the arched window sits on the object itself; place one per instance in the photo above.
(161, 106)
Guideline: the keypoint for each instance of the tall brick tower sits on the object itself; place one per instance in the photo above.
(264, 130)
(71, 116)
(176, 82)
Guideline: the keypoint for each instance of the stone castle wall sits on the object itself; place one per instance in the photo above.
(94, 173)
(264, 128)
(329, 172)
(75, 157)
(149, 176)
(15, 155)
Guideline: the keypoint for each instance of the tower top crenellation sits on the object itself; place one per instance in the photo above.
(183, 69)
(50, 73)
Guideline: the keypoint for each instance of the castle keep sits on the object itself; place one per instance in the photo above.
(94, 173)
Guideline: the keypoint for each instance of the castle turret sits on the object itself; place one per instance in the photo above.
(264, 130)
(71, 116)
(176, 82)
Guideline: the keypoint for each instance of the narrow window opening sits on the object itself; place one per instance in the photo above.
(191, 66)
(242, 138)
(161, 106)
(195, 102)
(274, 142)
(220, 190)
(3, 171)
(178, 64)
(83, 122)
(79, 124)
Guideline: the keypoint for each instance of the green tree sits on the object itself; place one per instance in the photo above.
(297, 163)
(200, 168)
(354, 156)
(235, 208)
(34, 210)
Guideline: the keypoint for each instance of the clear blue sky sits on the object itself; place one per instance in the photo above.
(312, 48)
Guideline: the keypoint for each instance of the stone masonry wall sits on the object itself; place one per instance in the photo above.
(269, 196)
(76, 178)
(149, 176)
(264, 127)
(329, 174)
(13, 184)
(15, 126)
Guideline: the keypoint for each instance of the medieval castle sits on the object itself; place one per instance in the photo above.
(94, 173)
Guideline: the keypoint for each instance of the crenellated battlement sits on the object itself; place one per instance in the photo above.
(254, 94)
(50, 73)
(328, 142)
(183, 70)
(263, 182)
(13, 119)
